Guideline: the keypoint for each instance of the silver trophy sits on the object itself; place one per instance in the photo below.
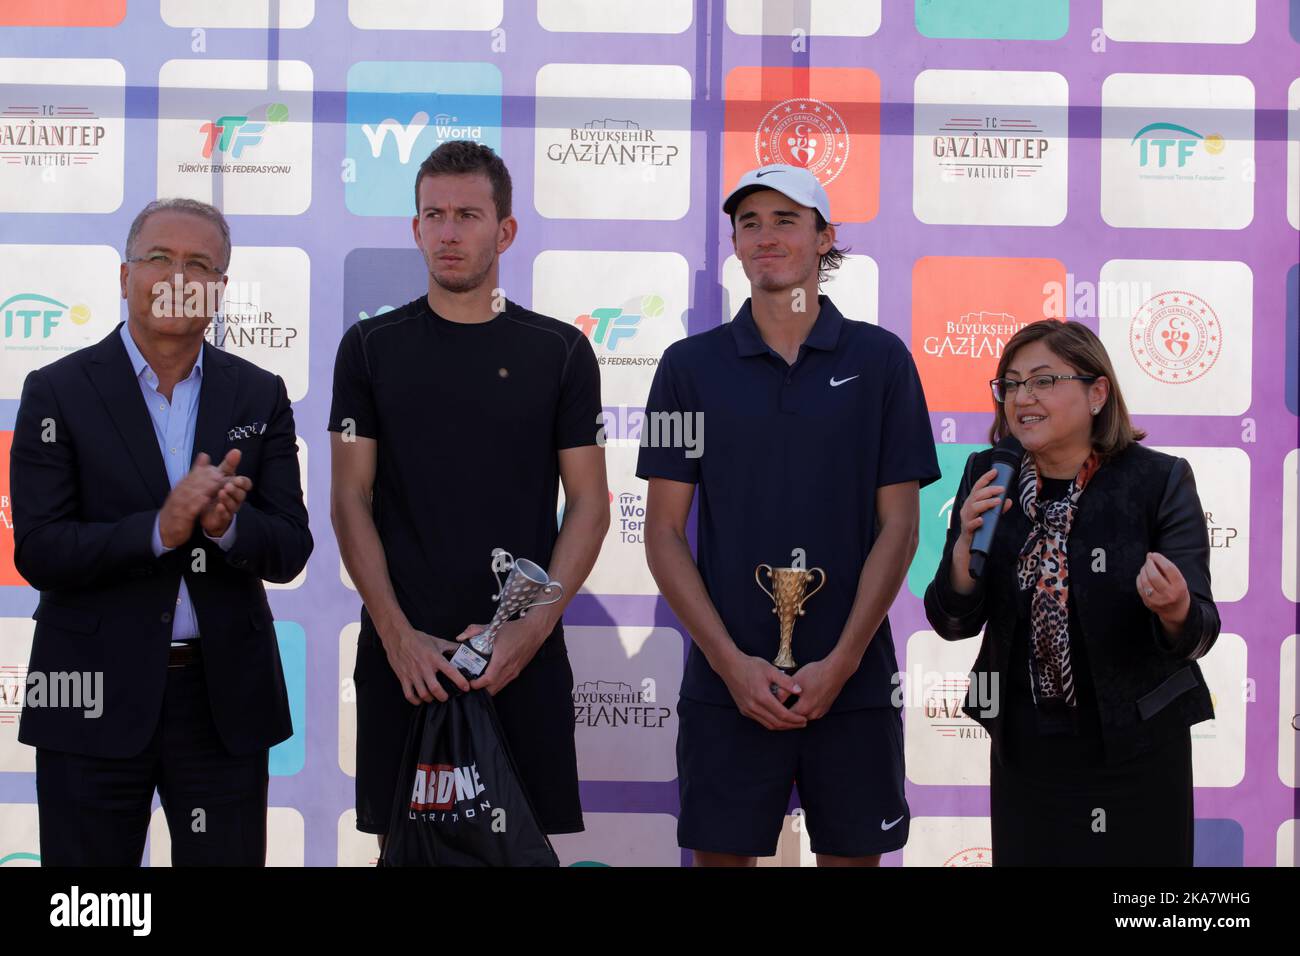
(525, 583)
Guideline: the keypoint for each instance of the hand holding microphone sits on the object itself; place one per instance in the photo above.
(985, 504)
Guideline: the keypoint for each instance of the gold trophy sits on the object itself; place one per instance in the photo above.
(787, 594)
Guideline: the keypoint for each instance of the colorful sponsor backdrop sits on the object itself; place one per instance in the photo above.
(1133, 164)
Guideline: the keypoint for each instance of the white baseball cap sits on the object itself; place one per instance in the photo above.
(791, 181)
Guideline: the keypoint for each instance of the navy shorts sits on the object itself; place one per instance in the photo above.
(735, 777)
(537, 720)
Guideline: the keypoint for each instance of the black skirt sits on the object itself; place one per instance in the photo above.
(1054, 801)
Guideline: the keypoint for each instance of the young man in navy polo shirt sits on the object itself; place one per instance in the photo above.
(816, 443)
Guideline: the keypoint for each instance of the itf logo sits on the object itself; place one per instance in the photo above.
(32, 316)
(1162, 144)
(231, 135)
(607, 326)
(54, 299)
(398, 113)
(1169, 161)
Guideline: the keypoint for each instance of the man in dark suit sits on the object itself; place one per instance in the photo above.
(155, 484)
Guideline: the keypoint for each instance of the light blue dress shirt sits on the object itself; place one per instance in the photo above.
(173, 424)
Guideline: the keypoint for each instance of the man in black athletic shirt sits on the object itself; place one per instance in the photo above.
(454, 420)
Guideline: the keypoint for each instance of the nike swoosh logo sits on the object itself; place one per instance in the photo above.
(835, 384)
(889, 826)
(766, 172)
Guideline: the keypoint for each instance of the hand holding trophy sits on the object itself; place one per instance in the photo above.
(526, 582)
(789, 594)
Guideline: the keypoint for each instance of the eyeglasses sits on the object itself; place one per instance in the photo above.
(1004, 389)
(192, 268)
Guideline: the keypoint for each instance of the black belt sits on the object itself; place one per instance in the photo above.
(183, 655)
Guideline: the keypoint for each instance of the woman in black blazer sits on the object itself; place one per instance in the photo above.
(1095, 603)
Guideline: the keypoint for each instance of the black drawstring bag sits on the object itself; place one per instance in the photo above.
(459, 801)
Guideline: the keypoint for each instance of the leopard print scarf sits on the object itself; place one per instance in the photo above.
(1044, 567)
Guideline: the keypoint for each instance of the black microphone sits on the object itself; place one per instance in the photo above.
(1006, 462)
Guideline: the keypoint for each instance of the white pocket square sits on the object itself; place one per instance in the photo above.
(246, 431)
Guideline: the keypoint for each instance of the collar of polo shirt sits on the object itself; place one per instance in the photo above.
(825, 334)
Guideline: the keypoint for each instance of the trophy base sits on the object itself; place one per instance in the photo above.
(469, 661)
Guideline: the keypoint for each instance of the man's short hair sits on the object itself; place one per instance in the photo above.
(191, 206)
(461, 157)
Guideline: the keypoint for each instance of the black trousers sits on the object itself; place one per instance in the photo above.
(94, 811)
(1054, 802)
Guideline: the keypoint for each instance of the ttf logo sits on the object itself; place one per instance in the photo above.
(29, 315)
(231, 135)
(610, 325)
(1162, 143)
